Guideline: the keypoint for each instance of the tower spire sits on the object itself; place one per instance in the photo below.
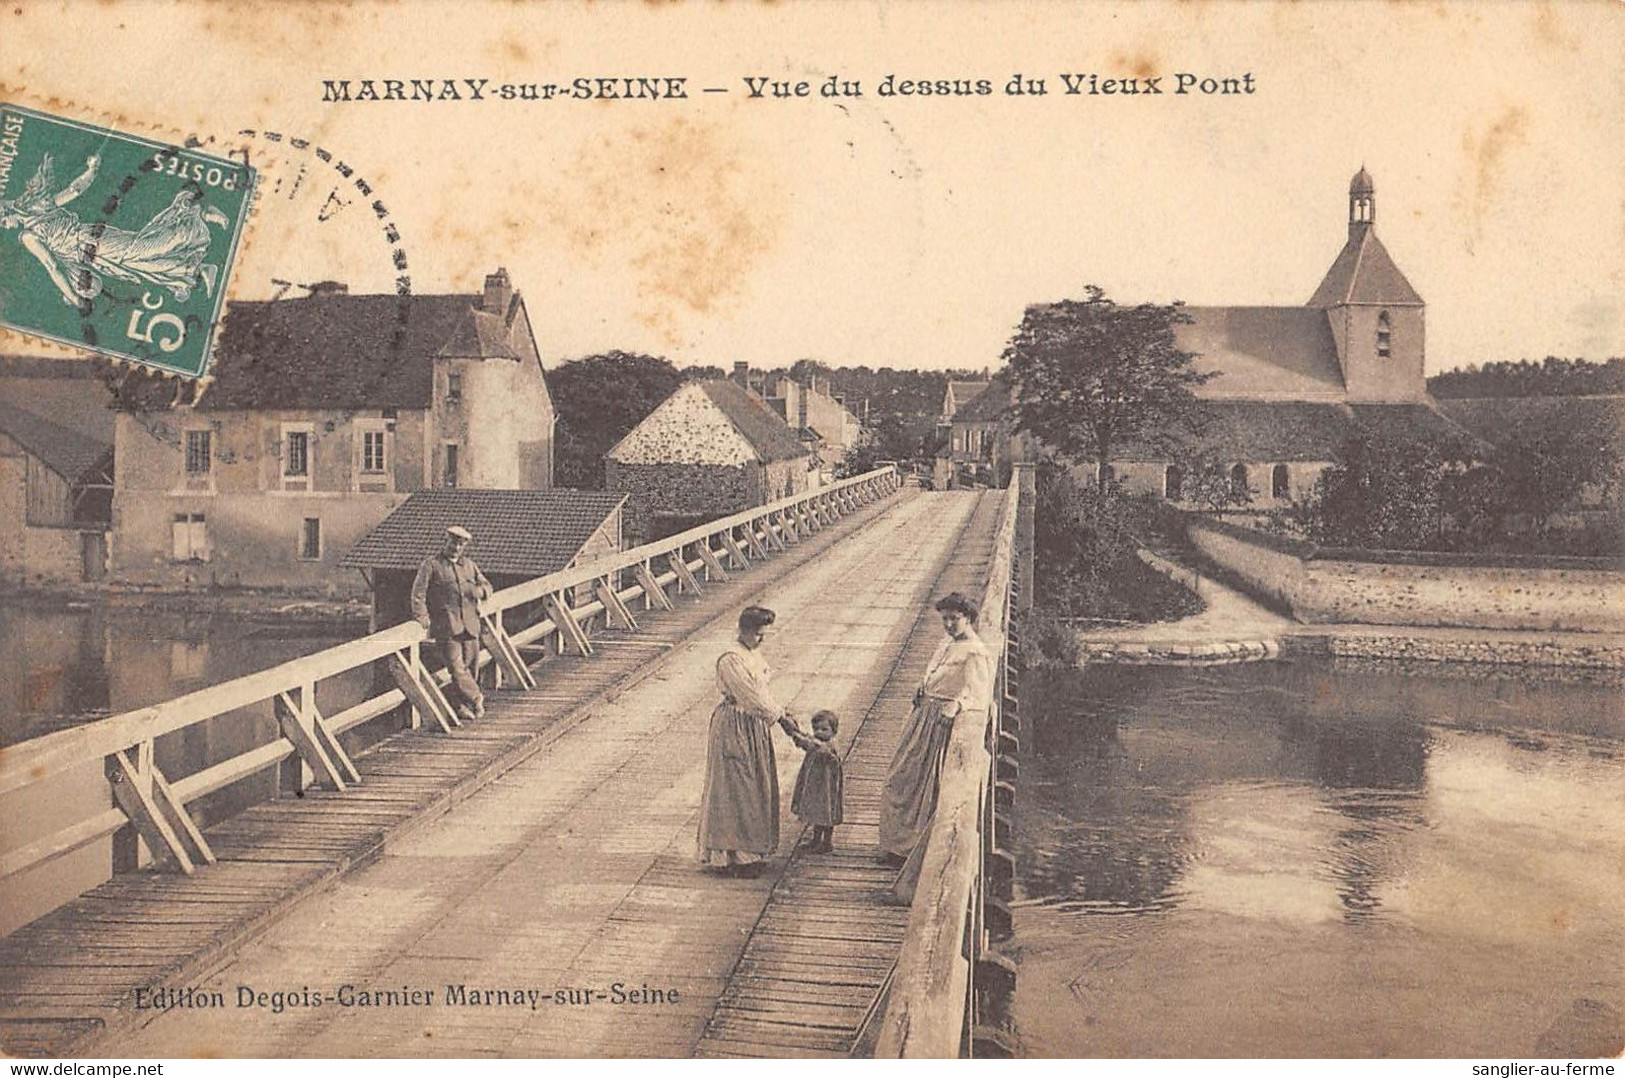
(1362, 203)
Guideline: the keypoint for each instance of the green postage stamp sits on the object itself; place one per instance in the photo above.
(115, 243)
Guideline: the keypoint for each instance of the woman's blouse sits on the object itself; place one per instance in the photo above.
(742, 675)
(962, 671)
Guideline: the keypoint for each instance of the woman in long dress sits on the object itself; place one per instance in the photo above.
(959, 679)
(739, 805)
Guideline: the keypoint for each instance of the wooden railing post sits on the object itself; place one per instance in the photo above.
(130, 849)
(147, 817)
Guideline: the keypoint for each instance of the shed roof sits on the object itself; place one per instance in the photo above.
(68, 453)
(344, 351)
(528, 532)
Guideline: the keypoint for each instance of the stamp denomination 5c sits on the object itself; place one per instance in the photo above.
(116, 243)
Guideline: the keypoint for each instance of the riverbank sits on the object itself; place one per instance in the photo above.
(268, 606)
(1236, 628)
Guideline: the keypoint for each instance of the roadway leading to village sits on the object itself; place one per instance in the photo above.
(577, 868)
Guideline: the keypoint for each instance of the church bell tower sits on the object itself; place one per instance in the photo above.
(1375, 316)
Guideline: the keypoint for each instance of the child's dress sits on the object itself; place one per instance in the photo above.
(817, 797)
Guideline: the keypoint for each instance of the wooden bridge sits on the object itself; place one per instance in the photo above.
(527, 884)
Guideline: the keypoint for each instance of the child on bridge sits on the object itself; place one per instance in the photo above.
(817, 797)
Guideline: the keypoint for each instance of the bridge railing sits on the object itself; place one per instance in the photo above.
(565, 606)
(947, 971)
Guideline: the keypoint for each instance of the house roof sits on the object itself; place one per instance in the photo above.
(964, 391)
(1496, 418)
(344, 351)
(1281, 353)
(1363, 272)
(529, 532)
(767, 433)
(988, 405)
(66, 452)
(714, 422)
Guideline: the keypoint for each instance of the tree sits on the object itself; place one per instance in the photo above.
(1383, 493)
(1209, 482)
(599, 399)
(1092, 375)
(1543, 472)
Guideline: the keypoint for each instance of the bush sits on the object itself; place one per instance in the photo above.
(1086, 539)
(1393, 494)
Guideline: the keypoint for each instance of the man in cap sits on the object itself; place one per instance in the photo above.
(445, 601)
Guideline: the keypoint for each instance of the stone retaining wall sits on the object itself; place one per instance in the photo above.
(1323, 586)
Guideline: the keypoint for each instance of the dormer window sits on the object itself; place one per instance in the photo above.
(1385, 334)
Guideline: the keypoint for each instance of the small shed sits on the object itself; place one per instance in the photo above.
(56, 499)
(518, 536)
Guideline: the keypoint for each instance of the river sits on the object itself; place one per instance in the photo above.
(1318, 858)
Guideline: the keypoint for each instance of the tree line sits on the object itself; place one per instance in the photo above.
(1551, 377)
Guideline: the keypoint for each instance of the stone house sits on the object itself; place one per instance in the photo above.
(56, 489)
(708, 450)
(518, 535)
(325, 413)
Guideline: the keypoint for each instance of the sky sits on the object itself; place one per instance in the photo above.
(900, 231)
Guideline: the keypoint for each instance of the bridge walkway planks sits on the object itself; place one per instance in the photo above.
(816, 963)
(577, 868)
(69, 977)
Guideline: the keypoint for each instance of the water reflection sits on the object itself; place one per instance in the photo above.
(1316, 859)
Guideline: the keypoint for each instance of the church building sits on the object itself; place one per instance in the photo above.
(1291, 386)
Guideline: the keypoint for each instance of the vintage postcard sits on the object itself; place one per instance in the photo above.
(813, 530)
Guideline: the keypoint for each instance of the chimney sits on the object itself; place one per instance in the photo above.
(322, 289)
(498, 292)
(742, 373)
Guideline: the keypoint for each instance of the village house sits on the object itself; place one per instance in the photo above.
(518, 535)
(708, 450)
(965, 450)
(56, 488)
(819, 417)
(325, 413)
(1290, 386)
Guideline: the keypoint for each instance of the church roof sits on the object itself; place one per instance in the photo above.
(1364, 272)
(530, 532)
(1281, 431)
(1281, 353)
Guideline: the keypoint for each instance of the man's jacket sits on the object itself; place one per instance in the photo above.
(447, 596)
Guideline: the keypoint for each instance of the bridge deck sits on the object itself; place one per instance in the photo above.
(573, 868)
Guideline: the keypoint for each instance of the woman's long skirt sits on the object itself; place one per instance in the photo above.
(739, 805)
(911, 783)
